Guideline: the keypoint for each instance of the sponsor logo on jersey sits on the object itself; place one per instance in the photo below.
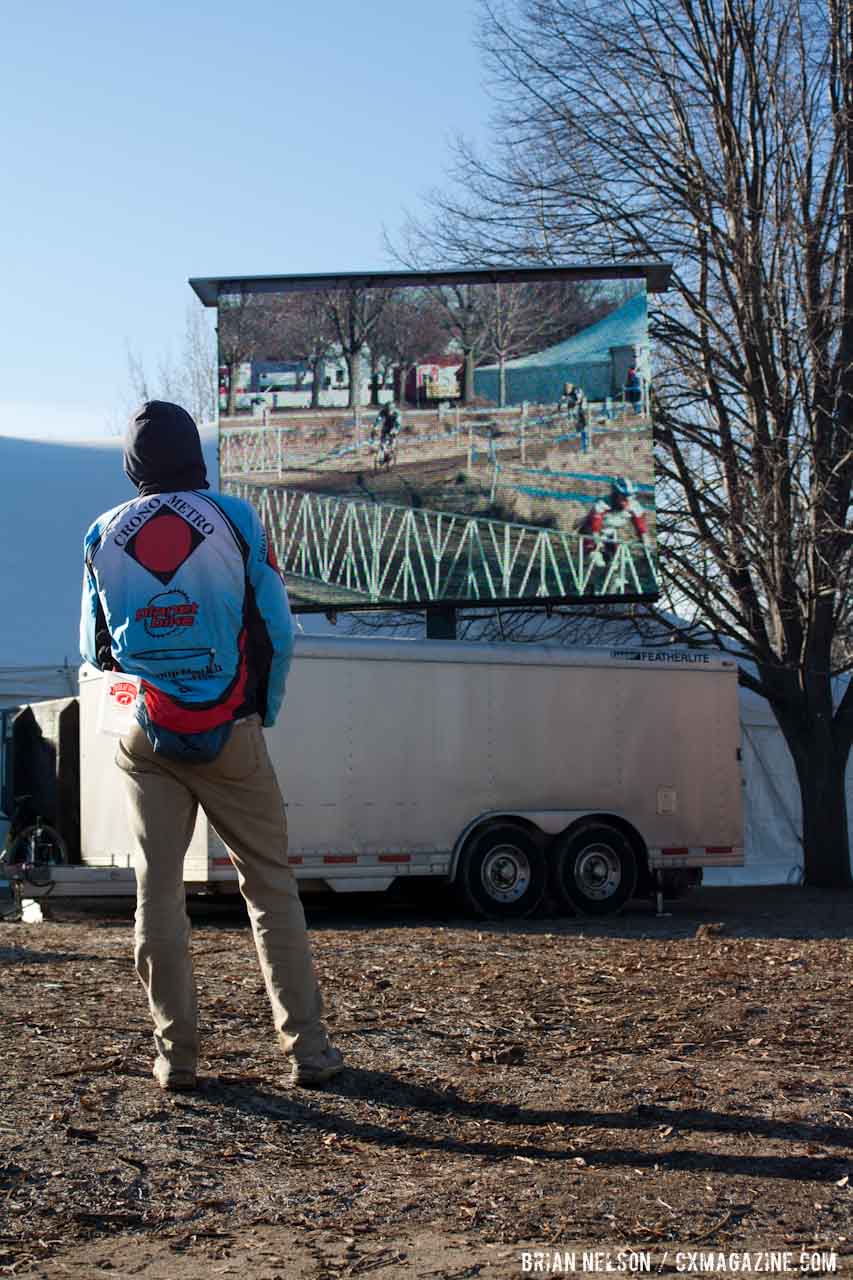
(165, 542)
(167, 613)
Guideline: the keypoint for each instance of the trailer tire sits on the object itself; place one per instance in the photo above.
(502, 873)
(593, 869)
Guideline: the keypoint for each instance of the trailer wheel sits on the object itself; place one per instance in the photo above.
(593, 869)
(502, 873)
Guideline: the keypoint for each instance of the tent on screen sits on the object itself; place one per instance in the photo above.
(596, 359)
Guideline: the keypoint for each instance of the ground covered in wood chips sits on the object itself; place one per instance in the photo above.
(545, 1097)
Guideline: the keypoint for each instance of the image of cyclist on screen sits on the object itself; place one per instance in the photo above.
(388, 424)
(610, 519)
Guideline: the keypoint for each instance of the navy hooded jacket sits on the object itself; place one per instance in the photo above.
(181, 589)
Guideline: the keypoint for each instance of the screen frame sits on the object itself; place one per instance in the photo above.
(209, 289)
(657, 278)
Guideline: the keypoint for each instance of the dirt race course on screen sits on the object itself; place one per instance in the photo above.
(473, 493)
(503, 451)
(650, 1087)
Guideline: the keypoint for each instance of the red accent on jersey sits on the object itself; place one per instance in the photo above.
(164, 711)
(163, 544)
(593, 523)
(640, 525)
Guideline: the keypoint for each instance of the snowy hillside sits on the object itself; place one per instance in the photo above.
(49, 494)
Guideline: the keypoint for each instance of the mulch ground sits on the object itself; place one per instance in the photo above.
(676, 1087)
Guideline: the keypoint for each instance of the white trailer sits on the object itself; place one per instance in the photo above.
(501, 769)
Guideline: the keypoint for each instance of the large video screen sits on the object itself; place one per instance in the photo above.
(457, 439)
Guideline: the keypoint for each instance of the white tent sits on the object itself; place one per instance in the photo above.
(49, 494)
(773, 836)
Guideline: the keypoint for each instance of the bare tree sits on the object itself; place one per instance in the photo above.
(189, 379)
(299, 328)
(498, 320)
(354, 314)
(200, 362)
(409, 329)
(718, 135)
(464, 310)
(518, 315)
(244, 325)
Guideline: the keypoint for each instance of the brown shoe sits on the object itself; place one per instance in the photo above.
(310, 1073)
(174, 1079)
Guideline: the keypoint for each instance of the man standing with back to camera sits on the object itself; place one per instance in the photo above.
(181, 590)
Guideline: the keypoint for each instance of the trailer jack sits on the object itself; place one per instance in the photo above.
(661, 914)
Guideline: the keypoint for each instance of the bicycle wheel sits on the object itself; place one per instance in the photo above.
(38, 845)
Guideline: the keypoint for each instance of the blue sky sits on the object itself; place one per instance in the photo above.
(149, 142)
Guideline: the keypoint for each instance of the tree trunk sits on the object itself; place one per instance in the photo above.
(232, 389)
(374, 380)
(318, 368)
(468, 383)
(501, 382)
(821, 766)
(354, 372)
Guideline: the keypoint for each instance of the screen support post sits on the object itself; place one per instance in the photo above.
(441, 623)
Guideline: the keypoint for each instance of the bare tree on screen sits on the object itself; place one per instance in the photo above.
(300, 329)
(518, 318)
(243, 327)
(409, 329)
(464, 311)
(353, 314)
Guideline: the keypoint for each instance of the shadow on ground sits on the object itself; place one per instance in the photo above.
(766, 911)
(373, 1086)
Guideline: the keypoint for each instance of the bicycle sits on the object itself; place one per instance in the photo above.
(385, 452)
(31, 843)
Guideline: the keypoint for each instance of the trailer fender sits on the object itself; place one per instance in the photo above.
(542, 823)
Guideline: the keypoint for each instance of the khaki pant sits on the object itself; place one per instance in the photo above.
(240, 795)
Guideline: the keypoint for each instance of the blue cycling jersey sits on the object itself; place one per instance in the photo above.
(182, 590)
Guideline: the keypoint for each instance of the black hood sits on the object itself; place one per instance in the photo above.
(162, 449)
